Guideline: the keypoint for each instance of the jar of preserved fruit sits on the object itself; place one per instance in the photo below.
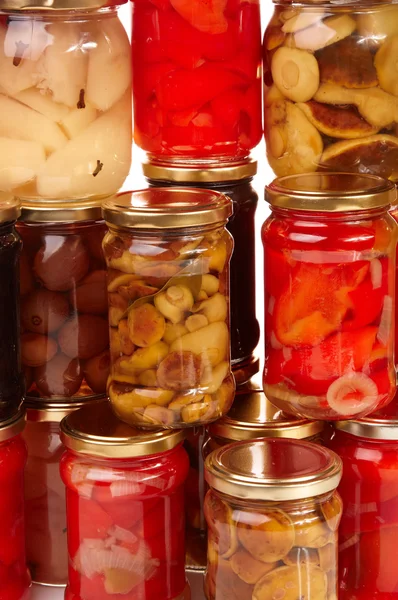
(45, 510)
(168, 252)
(369, 490)
(197, 79)
(65, 101)
(234, 180)
(329, 295)
(272, 514)
(64, 305)
(11, 376)
(125, 508)
(14, 576)
(331, 96)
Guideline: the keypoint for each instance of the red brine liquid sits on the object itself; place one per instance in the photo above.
(329, 309)
(196, 77)
(126, 526)
(14, 576)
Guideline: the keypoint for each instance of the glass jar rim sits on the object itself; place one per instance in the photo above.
(9, 208)
(243, 470)
(41, 411)
(222, 173)
(60, 211)
(42, 6)
(12, 426)
(167, 208)
(331, 192)
(250, 418)
(95, 431)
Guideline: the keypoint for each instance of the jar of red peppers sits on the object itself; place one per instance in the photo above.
(14, 576)
(125, 508)
(65, 101)
(329, 295)
(64, 305)
(234, 180)
(11, 376)
(273, 515)
(45, 510)
(369, 489)
(168, 252)
(197, 79)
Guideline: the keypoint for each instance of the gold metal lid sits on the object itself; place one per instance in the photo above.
(331, 192)
(253, 416)
(57, 5)
(9, 208)
(51, 412)
(273, 469)
(382, 425)
(61, 211)
(167, 208)
(9, 428)
(233, 171)
(94, 430)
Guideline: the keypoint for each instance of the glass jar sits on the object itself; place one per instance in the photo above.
(272, 514)
(125, 508)
(330, 88)
(64, 305)
(330, 295)
(394, 214)
(14, 576)
(11, 377)
(369, 490)
(65, 102)
(45, 510)
(235, 181)
(197, 79)
(168, 252)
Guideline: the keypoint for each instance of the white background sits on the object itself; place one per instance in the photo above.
(136, 181)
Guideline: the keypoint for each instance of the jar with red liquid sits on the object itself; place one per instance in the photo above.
(14, 576)
(369, 490)
(197, 79)
(394, 213)
(11, 376)
(64, 305)
(235, 181)
(65, 99)
(273, 514)
(45, 510)
(168, 252)
(125, 508)
(329, 249)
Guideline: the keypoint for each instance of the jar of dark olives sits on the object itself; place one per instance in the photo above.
(11, 378)
(64, 306)
(234, 180)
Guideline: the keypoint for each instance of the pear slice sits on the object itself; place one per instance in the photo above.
(16, 73)
(43, 104)
(77, 120)
(22, 123)
(109, 65)
(20, 161)
(63, 67)
(96, 162)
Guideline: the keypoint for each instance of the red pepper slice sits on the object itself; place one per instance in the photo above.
(93, 521)
(367, 299)
(227, 107)
(204, 15)
(375, 571)
(315, 301)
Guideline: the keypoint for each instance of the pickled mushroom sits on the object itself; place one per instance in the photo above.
(217, 255)
(219, 518)
(179, 371)
(212, 380)
(267, 537)
(328, 557)
(195, 322)
(323, 33)
(147, 358)
(302, 556)
(336, 122)
(148, 378)
(295, 73)
(378, 24)
(212, 339)
(125, 345)
(386, 63)
(173, 331)
(210, 284)
(174, 302)
(146, 325)
(214, 309)
(159, 415)
(291, 583)
(332, 510)
(248, 568)
(348, 63)
(205, 411)
(125, 399)
(311, 531)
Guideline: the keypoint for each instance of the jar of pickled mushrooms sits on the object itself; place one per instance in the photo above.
(272, 513)
(65, 101)
(168, 252)
(331, 91)
(64, 304)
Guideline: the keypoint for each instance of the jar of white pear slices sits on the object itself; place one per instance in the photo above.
(65, 99)
(331, 88)
(167, 252)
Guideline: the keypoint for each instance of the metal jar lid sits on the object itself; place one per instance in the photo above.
(273, 470)
(9, 208)
(39, 411)
(233, 171)
(57, 5)
(331, 192)
(253, 416)
(12, 426)
(95, 431)
(167, 208)
(61, 211)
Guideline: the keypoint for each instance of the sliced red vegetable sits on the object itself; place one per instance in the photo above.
(227, 107)
(205, 16)
(180, 43)
(373, 571)
(367, 299)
